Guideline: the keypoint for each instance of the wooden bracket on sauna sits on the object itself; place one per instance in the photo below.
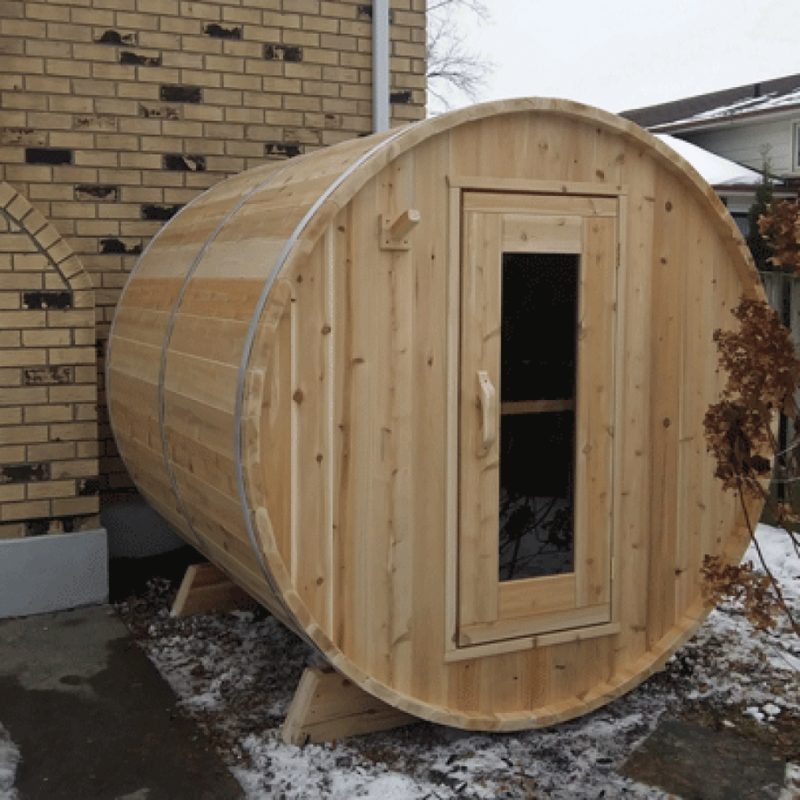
(327, 706)
(206, 588)
(394, 233)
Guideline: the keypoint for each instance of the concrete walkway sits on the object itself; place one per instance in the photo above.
(94, 720)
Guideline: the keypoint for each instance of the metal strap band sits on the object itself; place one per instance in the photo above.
(136, 267)
(168, 338)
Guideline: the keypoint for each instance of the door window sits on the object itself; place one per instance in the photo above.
(537, 414)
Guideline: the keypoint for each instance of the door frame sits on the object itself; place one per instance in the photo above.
(456, 651)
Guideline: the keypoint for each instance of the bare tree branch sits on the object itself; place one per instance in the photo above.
(476, 6)
(452, 64)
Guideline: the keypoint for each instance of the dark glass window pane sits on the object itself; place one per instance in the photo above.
(537, 446)
(539, 311)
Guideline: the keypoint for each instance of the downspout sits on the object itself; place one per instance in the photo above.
(380, 66)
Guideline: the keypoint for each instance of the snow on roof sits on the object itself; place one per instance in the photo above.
(715, 170)
(772, 101)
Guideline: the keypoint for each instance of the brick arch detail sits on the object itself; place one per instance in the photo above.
(15, 208)
(49, 450)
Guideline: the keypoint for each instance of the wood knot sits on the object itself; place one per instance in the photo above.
(298, 396)
(668, 205)
(666, 423)
(326, 330)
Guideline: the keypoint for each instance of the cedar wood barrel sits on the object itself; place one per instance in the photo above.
(306, 378)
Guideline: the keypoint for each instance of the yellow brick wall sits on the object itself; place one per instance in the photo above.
(115, 113)
(48, 378)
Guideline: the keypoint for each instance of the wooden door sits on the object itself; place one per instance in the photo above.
(538, 284)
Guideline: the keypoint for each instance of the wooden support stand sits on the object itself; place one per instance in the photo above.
(206, 588)
(327, 706)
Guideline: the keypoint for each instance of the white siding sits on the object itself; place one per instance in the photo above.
(744, 143)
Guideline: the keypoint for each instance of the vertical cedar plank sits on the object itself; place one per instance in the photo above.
(453, 345)
(358, 438)
(667, 365)
(379, 316)
(276, 428)
(694, 473)
(310, 446)
(595, 413)
(430, 251)
(480, 479)
(342, 341)
(633, 444)
(397, 192)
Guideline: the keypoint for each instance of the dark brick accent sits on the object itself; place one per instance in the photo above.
(282, 149)
(49, 376)
(51, 525)
(115, 37)
(126, 57)
(282, 52)
(34, 301)
(47, 155)
(119, 247)
(400, 98)
(218, 32)
(94, 192)
(96, 122)
(26, 136)
(37, 527)
(163, 112)
(88, 487)
(159, 211)
(184, 163)
(25, 473)
(171, 93)
(366, 11)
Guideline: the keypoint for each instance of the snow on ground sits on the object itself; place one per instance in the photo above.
(235, 673)
(9, 757)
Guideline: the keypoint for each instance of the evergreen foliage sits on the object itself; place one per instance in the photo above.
(765, 193)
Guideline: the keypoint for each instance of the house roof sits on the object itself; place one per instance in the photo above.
(780, 94)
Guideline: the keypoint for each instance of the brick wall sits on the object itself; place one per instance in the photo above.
(48, 391)
(115, 113)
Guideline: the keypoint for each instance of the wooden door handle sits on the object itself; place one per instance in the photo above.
(487, 399)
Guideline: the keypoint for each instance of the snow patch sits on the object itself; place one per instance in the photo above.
(236, 674)
(714, 169)
(9, 758)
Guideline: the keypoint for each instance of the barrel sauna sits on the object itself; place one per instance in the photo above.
(435, 398)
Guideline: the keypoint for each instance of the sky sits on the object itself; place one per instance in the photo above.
(625, 54)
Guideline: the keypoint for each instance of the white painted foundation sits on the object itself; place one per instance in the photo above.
(40, 574)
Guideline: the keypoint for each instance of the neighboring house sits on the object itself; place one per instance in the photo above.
(753, 126)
